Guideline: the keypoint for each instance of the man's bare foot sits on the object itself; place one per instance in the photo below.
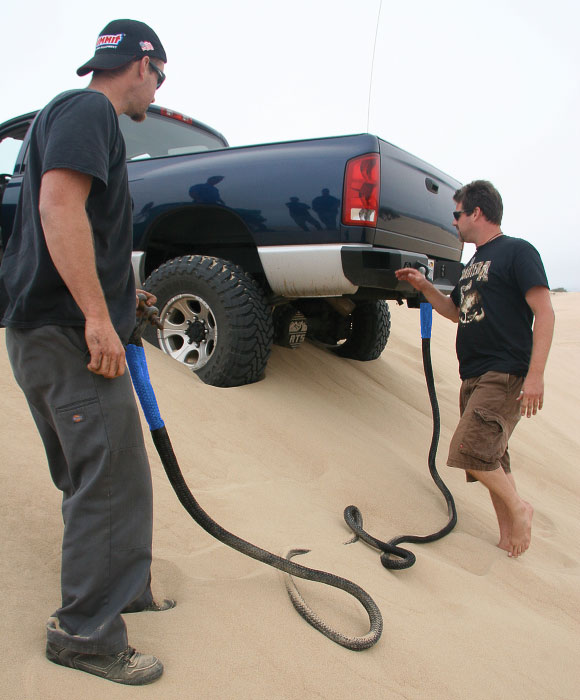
(505, 524)
(521, 531)
(505, 529)
(505, 533)
(504, 543)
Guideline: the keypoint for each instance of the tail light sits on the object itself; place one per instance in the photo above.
(176, 115)
(360, 204)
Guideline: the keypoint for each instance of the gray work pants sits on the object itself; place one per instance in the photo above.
(94, 444)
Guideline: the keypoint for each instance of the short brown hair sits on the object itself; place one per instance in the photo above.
(114, 72)
(482, 194)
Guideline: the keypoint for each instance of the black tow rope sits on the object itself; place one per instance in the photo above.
(137, 363)
(394, 557)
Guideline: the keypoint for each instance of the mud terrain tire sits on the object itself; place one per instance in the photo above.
(370, 326)
(215, 319)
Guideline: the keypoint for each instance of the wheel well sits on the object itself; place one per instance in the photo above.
(202, 231)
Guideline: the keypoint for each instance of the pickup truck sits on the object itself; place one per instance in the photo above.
(246, 246)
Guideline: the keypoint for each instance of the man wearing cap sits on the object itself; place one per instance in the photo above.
(70, 309)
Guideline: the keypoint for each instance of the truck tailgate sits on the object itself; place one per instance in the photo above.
(415, 206)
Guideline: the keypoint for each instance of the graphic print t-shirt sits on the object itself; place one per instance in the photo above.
(495, 321)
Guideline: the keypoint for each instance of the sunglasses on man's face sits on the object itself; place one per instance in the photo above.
(457, 214)
(160, 74)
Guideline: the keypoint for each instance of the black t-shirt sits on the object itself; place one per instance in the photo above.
(495, 321)
(78, 130)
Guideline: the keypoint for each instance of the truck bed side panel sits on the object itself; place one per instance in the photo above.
(272, 188)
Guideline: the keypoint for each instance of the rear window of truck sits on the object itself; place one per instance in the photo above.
(160, 136)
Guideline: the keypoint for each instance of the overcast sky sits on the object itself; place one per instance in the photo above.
(480, 90)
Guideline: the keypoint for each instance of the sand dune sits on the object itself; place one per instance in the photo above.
(276, 463)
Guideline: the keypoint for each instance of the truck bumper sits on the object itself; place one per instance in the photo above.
(138, 263)
(326, 270)
(375, 267)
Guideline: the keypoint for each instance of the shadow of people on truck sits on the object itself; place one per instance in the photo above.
(326, 207)
(207, 192)
(300, 212)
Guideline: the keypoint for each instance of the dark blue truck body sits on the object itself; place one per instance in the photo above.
(282, 213)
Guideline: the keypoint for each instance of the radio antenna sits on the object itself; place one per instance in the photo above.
(373, 64)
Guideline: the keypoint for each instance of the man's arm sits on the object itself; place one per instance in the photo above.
(532, 397)
(440, 302)
(68, 235)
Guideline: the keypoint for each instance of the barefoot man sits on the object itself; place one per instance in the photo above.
(506, 321)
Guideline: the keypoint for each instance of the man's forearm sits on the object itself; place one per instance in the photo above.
(538, 298)
(442, 303)
(70, 243)
(532, 395)
(543, 332)
(69, 238)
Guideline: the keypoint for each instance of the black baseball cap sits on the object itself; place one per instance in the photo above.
(123, 41)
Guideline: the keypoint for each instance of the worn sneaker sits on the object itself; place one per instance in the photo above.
(128, 667)
(167, 604)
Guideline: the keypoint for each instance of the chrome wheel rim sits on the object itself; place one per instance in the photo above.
(189, 332)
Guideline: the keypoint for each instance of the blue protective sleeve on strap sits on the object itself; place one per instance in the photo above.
(426, 320)
(140, 375)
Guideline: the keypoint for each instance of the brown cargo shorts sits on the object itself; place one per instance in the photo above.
(489, 412)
